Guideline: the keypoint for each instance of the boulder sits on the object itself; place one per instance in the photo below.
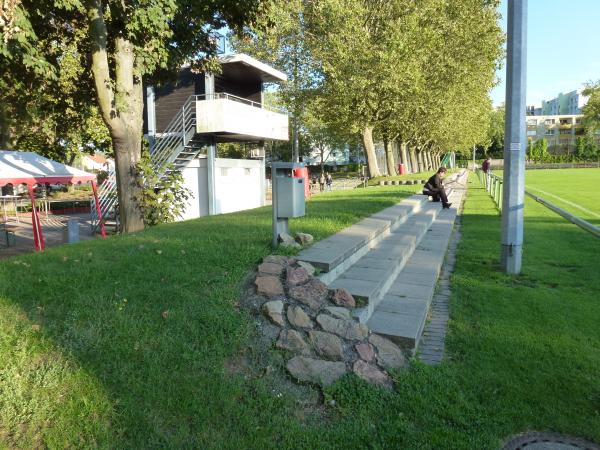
(316, 371)
(313, 294)
(273, 310)
(326, 345)
(296, 276)
(304, 238)
(371, 374)
(276, 259)
(342, 297)
(389, 354)
(339, 312)
(298, 318)
(287, 241)
(365, 351)
(292, 341)
(269, 286)
(268, 268)
(310, 269)
(348, 329)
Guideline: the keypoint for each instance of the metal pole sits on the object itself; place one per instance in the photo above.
(513, 201)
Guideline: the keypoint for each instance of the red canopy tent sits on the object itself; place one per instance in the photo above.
(29, 168)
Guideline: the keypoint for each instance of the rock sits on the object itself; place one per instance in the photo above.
(297, 276)
(267, 268)
(348, 329)
(274, 312)
(327, 345)
(342, 297)
(340, 313)
(288, 241)
(292, 341)
(365, 351)
(269, 286)
(298, 318)
(389, 354)
(313, 294)
(304, 238)
(316, 371)
(276, 259)
(371, 374)
(310, 269)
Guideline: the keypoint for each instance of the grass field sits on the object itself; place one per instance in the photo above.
(123, 343)
(575, 190)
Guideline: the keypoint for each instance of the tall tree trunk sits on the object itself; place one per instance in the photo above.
(121, 108)
(420, 160)
(4, 127)
(404, 157)
(372, 165)
(429, 160)
(414, 165)
(389, 158)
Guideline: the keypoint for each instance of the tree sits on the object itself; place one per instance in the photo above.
(129, 41)
(586, 147)
(591, 111)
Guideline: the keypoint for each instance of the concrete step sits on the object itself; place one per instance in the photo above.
(402, 312)
(337, 253)
(372, 275)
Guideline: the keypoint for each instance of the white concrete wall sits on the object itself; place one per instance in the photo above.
(229, 116)
(239, 185)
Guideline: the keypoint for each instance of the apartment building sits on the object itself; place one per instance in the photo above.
(570, 103)
(561, 131)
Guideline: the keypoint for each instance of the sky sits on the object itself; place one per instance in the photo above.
(563, 48)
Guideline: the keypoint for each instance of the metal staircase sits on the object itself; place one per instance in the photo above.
(173, 149)
(178, 144)
(107, 197)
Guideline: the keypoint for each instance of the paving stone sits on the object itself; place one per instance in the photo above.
(313, 294)
(273, 310)
(298, 318)
(269, 286)
(296, 276)
(416, 291)
(292, 341)
(341, 297)
(347, 329)
(316, 371)
(358, 288)
(371, 374)
(326, 345)
(268, 268)
(389, 354)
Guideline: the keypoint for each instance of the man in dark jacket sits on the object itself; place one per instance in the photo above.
(435, 188)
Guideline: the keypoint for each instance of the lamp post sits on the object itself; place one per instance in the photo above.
(513, 200)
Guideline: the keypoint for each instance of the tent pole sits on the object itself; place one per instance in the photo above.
(38, 237)
(100, 221)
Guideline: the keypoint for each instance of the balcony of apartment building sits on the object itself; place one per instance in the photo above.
(231, 117)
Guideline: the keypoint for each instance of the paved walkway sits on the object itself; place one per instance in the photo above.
(391, 262)
(53, 228)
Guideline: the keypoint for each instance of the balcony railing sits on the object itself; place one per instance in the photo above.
(235, 98)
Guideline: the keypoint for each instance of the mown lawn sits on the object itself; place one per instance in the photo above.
(122, 343)
(571, 189)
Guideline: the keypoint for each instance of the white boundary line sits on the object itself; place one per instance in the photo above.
(565, 201)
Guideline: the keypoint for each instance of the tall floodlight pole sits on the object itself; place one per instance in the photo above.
(513, 200)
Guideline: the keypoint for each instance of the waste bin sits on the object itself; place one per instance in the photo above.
(401, 169)
(302, 172)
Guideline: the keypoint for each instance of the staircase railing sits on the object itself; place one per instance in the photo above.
(175, 136)
(107, 199)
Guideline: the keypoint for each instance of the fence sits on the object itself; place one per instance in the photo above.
(493, 185)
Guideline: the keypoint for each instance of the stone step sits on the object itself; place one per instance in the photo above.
(371, 275)
(333, 255)
(402, 312)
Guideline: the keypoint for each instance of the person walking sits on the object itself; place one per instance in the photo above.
(322, 182)
(329, 181)
(435, 187)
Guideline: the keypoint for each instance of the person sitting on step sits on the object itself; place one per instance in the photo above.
(435, 188)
